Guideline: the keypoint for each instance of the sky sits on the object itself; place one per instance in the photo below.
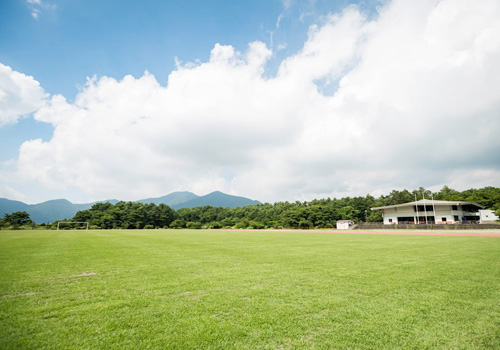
(274, 100)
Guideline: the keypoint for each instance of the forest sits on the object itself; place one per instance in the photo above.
(318, 213)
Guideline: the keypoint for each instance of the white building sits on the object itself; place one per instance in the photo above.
(427, 211)
(487, 216)
(344, 224)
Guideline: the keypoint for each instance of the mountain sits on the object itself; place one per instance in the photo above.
(171, 199)
(216, 199)
(45, 211)
(50, 211)
(59, 209)
(7, 206)
(178, 200)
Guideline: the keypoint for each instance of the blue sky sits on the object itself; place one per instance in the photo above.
(69, 41)
(274, 100)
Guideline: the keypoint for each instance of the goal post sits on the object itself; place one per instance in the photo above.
(73, 222)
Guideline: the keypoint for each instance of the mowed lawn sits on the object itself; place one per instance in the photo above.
(168, 289)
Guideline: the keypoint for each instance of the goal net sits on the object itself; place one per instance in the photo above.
(73, 225)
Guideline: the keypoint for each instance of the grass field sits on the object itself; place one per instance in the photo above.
(251, 290)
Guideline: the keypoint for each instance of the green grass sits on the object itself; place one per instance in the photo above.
(252, 290)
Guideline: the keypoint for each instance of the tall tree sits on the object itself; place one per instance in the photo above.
(17, 219)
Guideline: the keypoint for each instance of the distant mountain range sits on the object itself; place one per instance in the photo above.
(59, 209)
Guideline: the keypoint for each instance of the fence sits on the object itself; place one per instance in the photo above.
(381, 226)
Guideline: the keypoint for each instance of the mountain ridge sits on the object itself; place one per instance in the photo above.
(171, 198)
(217, 199)
(60, 209)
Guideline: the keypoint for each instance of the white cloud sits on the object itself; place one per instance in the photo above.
(413, 101)
(286, 3)
(8, 192)
(36, 7)
(303, 15)
(19, 95)
(35, 13)
(278, 21)
(329, 49)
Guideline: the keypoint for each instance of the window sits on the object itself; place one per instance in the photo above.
(470, 208)
(423, 219)
(421, 208)
(406, 220)
(443, 219)
(454, 207)
(390, 220)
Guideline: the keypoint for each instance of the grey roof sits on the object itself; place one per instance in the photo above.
(428, 202)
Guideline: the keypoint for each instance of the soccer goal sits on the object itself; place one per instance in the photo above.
(75, 225)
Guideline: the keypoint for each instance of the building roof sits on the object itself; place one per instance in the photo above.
(428, 202)
(344, 221)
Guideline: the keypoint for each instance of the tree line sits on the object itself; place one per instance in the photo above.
(318, 213)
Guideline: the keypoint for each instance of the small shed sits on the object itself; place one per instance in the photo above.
(487, 216)
(344, 224)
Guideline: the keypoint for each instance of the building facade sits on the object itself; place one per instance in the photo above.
(428, 211)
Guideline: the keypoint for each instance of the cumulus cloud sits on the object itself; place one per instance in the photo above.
(19, 95)
(405, 99)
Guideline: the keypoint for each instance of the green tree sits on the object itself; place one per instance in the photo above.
(215, 225)
(17, 219)
(255, 225)
(227, 222)
(348, 213)
(193, 225)
(303, 223)
(375, 216)
(178, 223)
(243, 223)
(292, 217)
(448, 194)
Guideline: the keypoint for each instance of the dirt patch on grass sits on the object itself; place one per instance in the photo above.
(85, 274)
(17, 295)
